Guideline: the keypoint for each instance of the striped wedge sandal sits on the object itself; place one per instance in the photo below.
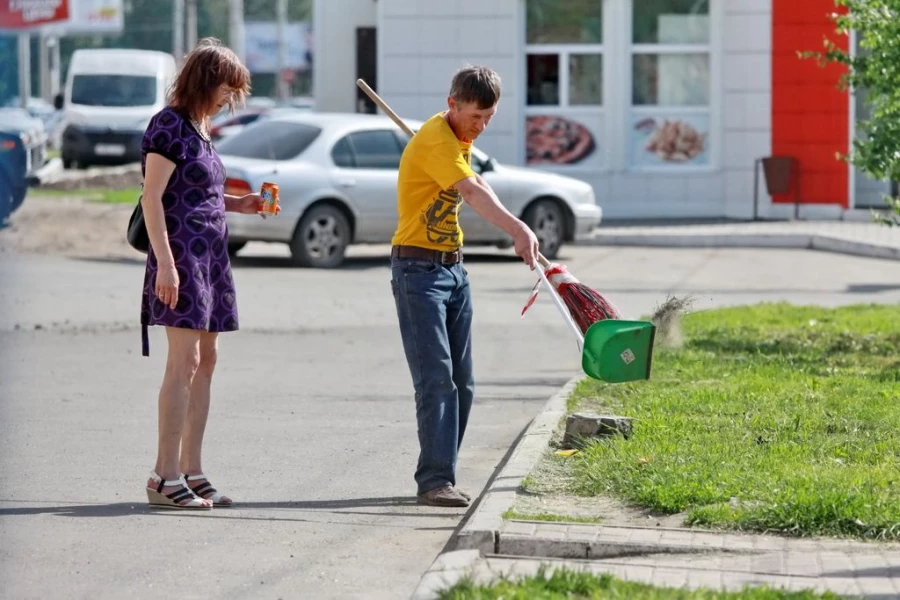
(206, 491)
(180, 499)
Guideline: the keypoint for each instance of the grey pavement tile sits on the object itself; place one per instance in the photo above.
(802, 563)
(520, 528)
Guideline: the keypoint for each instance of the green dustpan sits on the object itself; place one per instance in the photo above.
(616, 351)
(612, 350)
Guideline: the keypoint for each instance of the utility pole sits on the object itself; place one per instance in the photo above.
(281, 16)
(178, 29)
(236, 28)
(191, 37)
(53, 43)
(44, 65)
(24, 68)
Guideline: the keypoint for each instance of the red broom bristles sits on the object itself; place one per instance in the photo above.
(585, 304)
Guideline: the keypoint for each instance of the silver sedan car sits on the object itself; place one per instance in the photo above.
(337, 179)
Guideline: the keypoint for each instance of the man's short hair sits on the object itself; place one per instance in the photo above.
(474, 84)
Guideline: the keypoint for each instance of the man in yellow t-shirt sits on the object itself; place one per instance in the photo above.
(429, 282)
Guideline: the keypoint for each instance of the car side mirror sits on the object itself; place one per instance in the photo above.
(58, 102)
(487, 165)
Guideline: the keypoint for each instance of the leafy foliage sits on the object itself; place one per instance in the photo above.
(875, 71)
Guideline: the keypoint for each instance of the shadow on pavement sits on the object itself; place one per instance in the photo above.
(122, 509)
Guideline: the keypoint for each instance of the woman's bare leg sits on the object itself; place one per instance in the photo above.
(198, 408)
(174, 396)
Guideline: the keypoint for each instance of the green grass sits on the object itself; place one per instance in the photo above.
(520, 516)
(123, 196)
(566, 584)
(770, 418)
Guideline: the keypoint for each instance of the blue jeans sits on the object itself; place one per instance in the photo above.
(434, 307)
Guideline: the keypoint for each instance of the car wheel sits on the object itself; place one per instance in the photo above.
(235, 247)
(321, 238)
(546, 220)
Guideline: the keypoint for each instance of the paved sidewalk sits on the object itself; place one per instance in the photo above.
(847, 237)
(872, 575)
(488, 545)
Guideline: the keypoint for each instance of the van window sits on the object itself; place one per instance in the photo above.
(113, 90)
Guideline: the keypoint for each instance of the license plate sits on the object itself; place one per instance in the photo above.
(109, 149)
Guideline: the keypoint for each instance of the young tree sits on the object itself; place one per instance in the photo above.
(875, 70)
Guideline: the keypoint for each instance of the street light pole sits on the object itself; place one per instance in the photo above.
(24, 68)
(281, 16)
(236, 28)
(178, 29)
(191, 36)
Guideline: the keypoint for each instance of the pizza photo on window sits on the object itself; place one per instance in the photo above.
(557, 140)
(672, 140)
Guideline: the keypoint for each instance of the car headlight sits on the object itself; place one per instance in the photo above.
(25, 138)
(587, 196)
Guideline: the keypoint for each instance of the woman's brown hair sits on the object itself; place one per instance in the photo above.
(210, 65)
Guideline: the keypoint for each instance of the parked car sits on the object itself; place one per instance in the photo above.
(110, 96)
(39, 108)
(226, 125)
(23, 151)
(337, 175)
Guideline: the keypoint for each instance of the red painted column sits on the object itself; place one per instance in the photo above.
(810, 115)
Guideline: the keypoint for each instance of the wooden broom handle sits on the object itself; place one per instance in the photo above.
(387, 110)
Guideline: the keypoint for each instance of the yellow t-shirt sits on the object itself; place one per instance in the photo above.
(427, 203)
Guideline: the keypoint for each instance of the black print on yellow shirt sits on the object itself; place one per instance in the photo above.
(440, 218)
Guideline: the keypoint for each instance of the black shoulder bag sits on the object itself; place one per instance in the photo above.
(136, 234)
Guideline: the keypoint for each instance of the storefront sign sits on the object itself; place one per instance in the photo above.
(668, 140)
(564, 138)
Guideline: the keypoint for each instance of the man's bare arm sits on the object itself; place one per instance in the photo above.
(479, 195)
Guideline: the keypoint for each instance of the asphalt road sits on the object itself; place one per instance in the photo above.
(312, 429)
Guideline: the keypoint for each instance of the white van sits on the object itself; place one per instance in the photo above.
(109, 99)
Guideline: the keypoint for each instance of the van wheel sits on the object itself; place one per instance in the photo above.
(546, 220)
(321, 238)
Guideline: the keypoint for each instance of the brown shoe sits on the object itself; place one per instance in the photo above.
(464, 495)
(443, 496)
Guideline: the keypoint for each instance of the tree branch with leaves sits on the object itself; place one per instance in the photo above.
(875, 73)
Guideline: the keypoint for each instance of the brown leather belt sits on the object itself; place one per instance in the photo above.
(444, 258)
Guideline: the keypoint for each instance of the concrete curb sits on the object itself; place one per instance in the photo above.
(489, 534)
(447, 569)
(811, 241)
(481, 532)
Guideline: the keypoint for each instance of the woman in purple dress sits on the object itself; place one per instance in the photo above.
(188, 287)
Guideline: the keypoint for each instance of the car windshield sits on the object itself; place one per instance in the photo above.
(113, 90)
(272, 140)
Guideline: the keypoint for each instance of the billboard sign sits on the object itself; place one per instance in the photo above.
(24, 15)
(63, 17)
(261, 46)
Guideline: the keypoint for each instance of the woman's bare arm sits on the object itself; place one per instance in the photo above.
(157, 173)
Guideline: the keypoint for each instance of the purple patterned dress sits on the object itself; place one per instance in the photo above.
(194, 207)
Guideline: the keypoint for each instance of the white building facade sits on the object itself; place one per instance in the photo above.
(662, 105)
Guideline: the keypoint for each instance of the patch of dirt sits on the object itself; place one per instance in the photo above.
(546, 493)
(69, 226)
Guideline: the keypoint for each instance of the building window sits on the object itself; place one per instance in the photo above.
(670, 83)
(564, 82)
